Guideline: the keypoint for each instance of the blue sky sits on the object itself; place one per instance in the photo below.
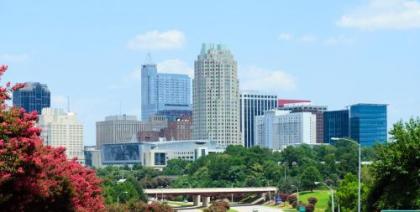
(335, 53)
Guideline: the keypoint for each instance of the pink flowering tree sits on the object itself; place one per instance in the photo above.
(34, 177)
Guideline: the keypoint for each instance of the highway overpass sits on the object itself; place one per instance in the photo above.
(207, 193)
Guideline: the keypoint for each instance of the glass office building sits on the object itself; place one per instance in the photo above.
(161, 91)
(33, 97)
(368, 123)
(253, 103)
(336, 124)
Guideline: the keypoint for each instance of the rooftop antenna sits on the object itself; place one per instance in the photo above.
(149, 58)
(120, 108)
(68, 104)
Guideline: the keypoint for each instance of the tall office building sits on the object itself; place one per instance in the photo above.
(336, 124)
(318, 111)
(277, 129)
(148, 91)
(216, 96)
(117, 129)
(253, 103)
(368, 123)
(33, 97)
(61, 129)
(162, 92)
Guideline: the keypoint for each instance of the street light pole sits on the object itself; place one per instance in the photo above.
(332, 194)
(359, 190)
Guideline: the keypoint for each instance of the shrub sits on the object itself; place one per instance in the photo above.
(312, 200)
(292, 199)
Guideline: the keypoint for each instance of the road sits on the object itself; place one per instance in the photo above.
(258, 208)
(247, 208)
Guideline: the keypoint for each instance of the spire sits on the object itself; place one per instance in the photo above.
(149, 58)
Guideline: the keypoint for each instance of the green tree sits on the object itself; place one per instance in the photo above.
(396, 172)
(309, 176)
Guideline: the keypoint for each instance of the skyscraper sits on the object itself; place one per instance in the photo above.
(117, 129)
(277, 129)
(368, 123)
(336, 124)
(318, 111)
(61, 129)
(34, 96)
(253, 103)
(162, 91)
(216, 96)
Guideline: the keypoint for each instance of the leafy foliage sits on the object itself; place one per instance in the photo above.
(396, 173)
(34, 177)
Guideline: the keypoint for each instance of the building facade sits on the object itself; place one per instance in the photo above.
(277, 129)
(118, 128)
(61, 129)
(216, 96)
(34, 96)
(368, 123)
(157, 154)
(284, 102)
(180, 129)
(336, 124)
(253, 103)
(318, 111)
(161, 91)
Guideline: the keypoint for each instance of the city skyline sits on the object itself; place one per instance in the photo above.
(336, 58)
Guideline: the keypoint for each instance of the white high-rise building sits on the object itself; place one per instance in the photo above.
(277, 129)
(61, 129)
(117, 129)
(216, 96)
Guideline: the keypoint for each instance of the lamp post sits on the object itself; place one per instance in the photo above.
(359, 169)
(285, 168)
(332, 194)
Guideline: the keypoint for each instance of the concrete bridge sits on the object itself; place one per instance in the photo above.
(206, 193)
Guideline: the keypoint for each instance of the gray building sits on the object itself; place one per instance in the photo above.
(216, 96)
(163, 92)
(253, 103)
(117, 129)
(32, 97)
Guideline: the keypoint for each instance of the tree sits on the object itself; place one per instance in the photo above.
(309, 176)
(34, 177)
(396, 173)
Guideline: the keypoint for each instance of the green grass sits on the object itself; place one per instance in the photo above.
(232, 210)
(322, 196)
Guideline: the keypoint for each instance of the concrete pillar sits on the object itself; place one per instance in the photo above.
(206, 201)
(196, 200)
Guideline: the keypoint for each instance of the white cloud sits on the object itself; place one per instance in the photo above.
(336, 40)
(13, 58)
(307, 38)
(383, 14)
(267, 80)
(176, 66)
(155, 40)
(285, 36)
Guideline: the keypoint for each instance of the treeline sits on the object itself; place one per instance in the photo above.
(296, 165)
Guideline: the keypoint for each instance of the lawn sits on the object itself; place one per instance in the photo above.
(321, 195)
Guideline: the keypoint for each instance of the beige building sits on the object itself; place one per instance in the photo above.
(117, 129)
(61, 129)
(216, 96)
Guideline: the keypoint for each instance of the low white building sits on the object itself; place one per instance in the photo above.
(157, 154)
(277, 129)
(61, 129)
